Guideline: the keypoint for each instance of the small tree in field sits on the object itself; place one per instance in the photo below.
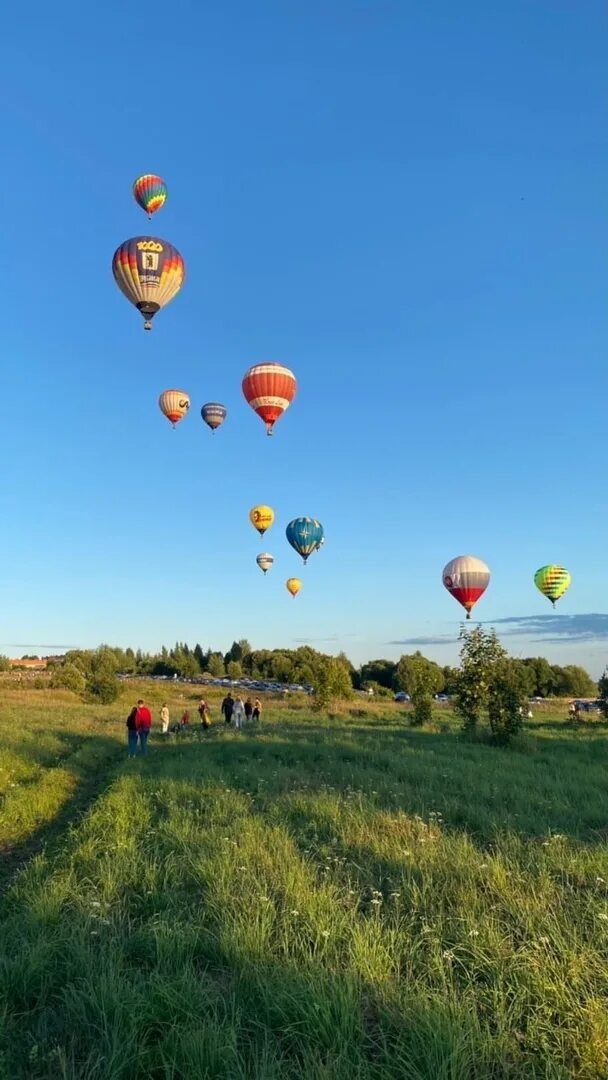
(507, 694)
(68, 677)
(480, 651)
(421, 678)
(603, 692)
(101, 683)
(332, 681)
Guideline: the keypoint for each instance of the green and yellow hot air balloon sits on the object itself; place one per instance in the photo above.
(552, 581)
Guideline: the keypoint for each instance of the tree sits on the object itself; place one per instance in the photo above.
(507, 698)
(379, 671)
(603, 692)
(480, 651)
(216, 666)
(574, 681)
(234, 669)
(421, 678)
(332, 681)
(5, 664)
(101, 682)
(68, 676)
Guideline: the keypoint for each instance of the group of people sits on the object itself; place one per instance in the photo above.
(139, 720)
(237, 711)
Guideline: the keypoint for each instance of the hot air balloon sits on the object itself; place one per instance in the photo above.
(265, 561)
(552, 581)
(305, 535)
(466, 578)
(293, 585)
(174, 404)
(214, 414)
(269, 388)
(149, 272)
(150, 192)
(261, 517)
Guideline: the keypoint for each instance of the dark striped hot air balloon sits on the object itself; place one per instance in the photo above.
(149, 272)
(213, 414)
(269, 388)
(150, 192)
(466, 578)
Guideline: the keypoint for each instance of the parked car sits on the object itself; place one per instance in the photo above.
(401, 696)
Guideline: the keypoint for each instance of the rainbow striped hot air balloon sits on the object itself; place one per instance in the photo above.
(150, 192)
(552, 581)
(466, 578)
(149, 272)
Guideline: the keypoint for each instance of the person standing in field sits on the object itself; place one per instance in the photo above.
(257, 710)
(228, 707)
(132, 732)
(248, 709)
(164, 718)
(143, 723)
(238, 713)
(185, 719)
(203, 712)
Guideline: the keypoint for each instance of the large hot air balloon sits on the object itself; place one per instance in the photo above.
(261, 517)
(265, 561)
(150, 192)
(552, 581)
(305, 535)
(269, 388)
(149, 272)
(293, 585)
(213, 414)
(174, 404)
(467, 578)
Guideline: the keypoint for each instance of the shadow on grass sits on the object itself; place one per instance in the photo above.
(535, 787)
(87, 760)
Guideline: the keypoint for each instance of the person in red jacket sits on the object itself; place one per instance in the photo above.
(143, 723)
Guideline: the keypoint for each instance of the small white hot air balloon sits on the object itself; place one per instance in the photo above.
(265, 561)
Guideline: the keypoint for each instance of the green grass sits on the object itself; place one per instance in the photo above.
(339, 899)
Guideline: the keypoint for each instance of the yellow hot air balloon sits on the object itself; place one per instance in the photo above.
(293, 585)
(261, 517)
(174, 404)
(552, 580)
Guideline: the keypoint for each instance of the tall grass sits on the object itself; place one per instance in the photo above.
(321, 899)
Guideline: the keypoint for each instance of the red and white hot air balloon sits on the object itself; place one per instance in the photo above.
(270, 389)
(466, 578)
(174, 404)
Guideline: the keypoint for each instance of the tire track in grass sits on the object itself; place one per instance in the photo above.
(37, 815)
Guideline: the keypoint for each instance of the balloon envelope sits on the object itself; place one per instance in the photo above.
(269, 388)
(174, 404)
(261, 517)
(293, 585)
(552, 580)
(466, 578)
(305, 535)
(214, 414)
(265, 561)
(150, 192)
(149, 272)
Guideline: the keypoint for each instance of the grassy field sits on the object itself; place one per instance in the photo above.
(339, 898)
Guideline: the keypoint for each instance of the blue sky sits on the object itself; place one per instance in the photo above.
(401, 201)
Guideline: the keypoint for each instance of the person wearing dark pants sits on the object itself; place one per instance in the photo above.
(143, 723)
(228, 707)
(132, 731)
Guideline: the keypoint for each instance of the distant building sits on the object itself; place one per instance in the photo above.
(30, 665)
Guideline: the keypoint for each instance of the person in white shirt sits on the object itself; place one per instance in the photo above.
(238, 713)
(164, 718)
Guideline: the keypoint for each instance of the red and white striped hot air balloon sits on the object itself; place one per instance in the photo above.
(466, 578)
(270, 389)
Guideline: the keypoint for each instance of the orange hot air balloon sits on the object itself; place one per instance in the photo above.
(174, 404)
(270, 389)
(293, 585)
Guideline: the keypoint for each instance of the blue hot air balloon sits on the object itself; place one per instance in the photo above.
(213, 414)
(305, 535)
